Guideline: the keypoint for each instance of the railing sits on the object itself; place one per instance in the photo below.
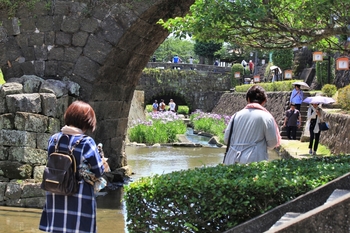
(185, 66)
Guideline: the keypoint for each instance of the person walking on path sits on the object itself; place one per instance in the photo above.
(172, 105)
(155, 106)
(77, 212)
(254, 130)
(297, 97)
(292, 121)
(315, 115)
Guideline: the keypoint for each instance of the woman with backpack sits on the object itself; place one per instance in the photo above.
(76, 212)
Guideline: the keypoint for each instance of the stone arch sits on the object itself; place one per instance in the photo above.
(178, 98)
(102, 46)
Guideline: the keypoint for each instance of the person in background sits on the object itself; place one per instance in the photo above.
(162, 106)
(154, 59)
(216, 63)
(254, 130)
(292, 121)
(191, 60)
(244, 64)
(75, 213)
(315, 115)
(155, 106)
(251, 66)
(297, 97)
(172, 105)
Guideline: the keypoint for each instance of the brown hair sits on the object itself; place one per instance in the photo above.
(256, 94)
(81, 115)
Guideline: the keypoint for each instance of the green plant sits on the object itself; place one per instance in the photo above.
(237, 68)
(210, 123)
(344, 97)
(182, 109)
(2, 80)
(329, 90)
(162, 127)
(283, 58)
(214, 199)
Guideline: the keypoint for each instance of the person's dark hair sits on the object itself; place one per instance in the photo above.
(298, 86)
(256, 94)
(81, 115)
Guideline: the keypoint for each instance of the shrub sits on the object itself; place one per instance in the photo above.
(210, 123)
(344, 97)
(237, 67)
(2, 81)
(322, 71)
(214, 199)
(182, 109)
(163, 127)
(329, 90)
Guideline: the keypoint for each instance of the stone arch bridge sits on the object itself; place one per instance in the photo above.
(101, 45)
(197, 86)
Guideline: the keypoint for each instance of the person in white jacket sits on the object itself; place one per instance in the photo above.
(254, 130)
(315, 115)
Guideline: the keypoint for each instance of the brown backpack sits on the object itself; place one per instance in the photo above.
(60, 174)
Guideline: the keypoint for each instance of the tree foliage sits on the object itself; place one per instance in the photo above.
(207, 49)
(267, 24)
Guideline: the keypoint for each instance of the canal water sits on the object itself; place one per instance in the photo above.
(144, 161)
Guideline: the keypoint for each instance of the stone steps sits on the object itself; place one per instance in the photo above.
(337, 193)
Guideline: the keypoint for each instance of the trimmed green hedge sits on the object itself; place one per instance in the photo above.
(214, 199)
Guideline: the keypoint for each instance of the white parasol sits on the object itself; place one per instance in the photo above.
(303, 85)
(319, 100)
(276, 67)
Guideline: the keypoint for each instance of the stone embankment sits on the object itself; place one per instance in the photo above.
(337, 138)
(31, 110)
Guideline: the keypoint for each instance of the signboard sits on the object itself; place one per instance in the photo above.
(342, 63)
(256, 78)
(237, 74)
(288, 74)
(317, 56)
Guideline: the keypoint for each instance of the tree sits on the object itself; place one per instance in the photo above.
(174, 46)
(267, 24)
(207, 50)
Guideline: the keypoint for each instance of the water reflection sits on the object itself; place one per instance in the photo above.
(144, 161)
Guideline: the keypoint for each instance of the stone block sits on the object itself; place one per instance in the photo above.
(3, 107)
(97, 50)
(63, 38)
(31, 122)
(28, 155)
(4, 153)
(15, 203)
(2, 190)
(34, 202)
(17, 138)
(73, 88)
(7, 121)
(32, 190)
(24, 103)
(10, 88)
(38, 173)
(41, 52)
(86, 68)
(36, 39)
(54, 86)
(13, 191)
(42, 140)
(31, 83)
(54, 125)
(48, 104)
(44, 24)
(15, 170)
(70, 24)
(89, 25)
(79, 39)
(56, 53)
(72, 54)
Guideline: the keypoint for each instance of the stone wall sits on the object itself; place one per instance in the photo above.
(31, 110)
(199, 89)
(337, 138)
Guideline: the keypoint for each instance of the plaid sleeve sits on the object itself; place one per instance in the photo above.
(93, 158)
